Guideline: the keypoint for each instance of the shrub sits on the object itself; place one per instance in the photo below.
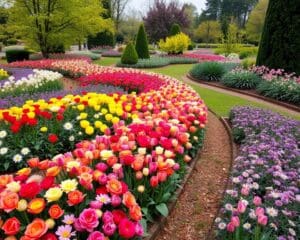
(280, 89)
(130, 55)
(191, 46)
(141, 44)
(208, 71)
(245, 52)
(91, 55)
(57, 48)
(105, 38)
(175, 29)
(248, 62)
(175, 44)
(147, 63)
(181, 60)
(240, 79)
(13, 55)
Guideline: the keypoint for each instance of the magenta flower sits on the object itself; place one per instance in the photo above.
(88, 219)
(96, 236)
(109, 228)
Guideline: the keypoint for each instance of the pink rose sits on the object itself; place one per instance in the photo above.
(230, 227)
(257, 201)
(139, 230)
(88, 219)
(236, 221)
(109, 228)
(107, 217)
(262, 220)
(96, 236)
(115, 200)
(241, 208)
(259, 211)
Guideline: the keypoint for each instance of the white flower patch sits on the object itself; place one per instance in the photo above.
(37, 79)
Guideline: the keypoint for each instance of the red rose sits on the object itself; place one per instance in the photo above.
(49, 236)
(47, 183)
(52, 138)
(126, 228)
(118, 215)
(11, 226)
(29, 190)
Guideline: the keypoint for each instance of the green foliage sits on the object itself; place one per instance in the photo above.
(279, 46)
(176, 44)
(129, 55)
(209, 31)
(155, 62)
(241, 79)
(57, 48)
(13, 55)
(245, 52)
(255, 23)
(175, 29)
(208, 71)
(65, 22)
(105, 38)
(238, 135)
(282, 90)
(91, 55)
(248, 62)
(231, 39)
(141, 44)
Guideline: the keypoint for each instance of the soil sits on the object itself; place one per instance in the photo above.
(198, 205)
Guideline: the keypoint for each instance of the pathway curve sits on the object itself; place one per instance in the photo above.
(197, 206)
(253, 99)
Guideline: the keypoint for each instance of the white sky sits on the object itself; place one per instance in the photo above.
(143, 5)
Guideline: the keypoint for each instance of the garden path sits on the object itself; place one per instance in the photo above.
(269, 104)
(197, 206)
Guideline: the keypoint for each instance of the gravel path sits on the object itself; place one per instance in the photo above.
(197, 206)
(253, 99)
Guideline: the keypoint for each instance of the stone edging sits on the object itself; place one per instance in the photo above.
(244, 92)
(160, 223)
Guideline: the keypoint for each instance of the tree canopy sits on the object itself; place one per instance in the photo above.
(209, 31)
(45, 23)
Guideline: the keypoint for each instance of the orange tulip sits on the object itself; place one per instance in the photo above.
(55, 211)
(135, 213)
(36, 206)
(53, 171)
(75, 197)
(24, 172)
(33, 162)
(5, 179)
(8, 201)
(36, 229)
(43, 165)
(129, 199)
(114, 186)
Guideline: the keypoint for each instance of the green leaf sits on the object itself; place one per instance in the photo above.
(166, 197)
(162, 209)
(145, 210)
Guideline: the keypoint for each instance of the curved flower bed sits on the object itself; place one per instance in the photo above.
(263, 202)
(38, 81)
(204, 57)
(105, 161)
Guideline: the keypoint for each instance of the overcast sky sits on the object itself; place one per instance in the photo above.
(143, 5)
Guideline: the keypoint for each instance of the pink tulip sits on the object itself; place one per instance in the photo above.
(262, 220)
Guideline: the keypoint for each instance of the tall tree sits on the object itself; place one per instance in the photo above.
(279, 45)
(45, 23)
(212, 9)
(161, 16)
(141, 44)
(118, 8)
(209, 31)
(255, 23)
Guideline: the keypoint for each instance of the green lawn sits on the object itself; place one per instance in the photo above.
(107, 61)
(220, 103)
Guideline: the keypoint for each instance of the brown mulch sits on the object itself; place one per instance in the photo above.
(196, 208)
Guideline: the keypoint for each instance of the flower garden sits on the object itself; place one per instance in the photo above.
(104, 136)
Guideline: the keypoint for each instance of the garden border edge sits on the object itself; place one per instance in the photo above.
(270, 100)
(156, 228)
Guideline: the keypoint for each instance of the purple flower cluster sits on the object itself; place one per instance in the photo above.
(263, 201)
(10, 101)
(17, 73)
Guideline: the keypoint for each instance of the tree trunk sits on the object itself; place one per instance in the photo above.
(79, 45)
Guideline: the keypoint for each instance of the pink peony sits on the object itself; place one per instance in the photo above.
(96, 236)
(109, 228)
(88, 219)
(115, 200)
(107, 217)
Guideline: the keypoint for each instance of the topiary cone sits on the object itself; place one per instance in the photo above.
(129, 55)
(141, 44)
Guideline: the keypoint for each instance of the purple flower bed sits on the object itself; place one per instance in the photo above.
(17, 73)
(111, 53)
(19, 101)
(263, 201)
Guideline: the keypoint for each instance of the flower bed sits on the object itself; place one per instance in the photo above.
(94, 147)
(263, 199)
(205, 57)
(38, 81)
